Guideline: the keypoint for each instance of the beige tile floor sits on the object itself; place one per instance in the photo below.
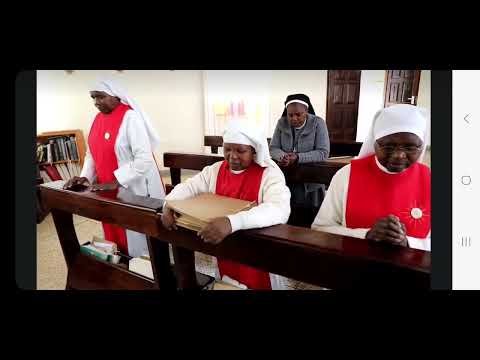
(52, 270)
(51, 267)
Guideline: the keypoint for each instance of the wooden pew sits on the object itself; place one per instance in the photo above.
(322, 259)
(321, 172)
(327, 260)
(344, 148)
(126, 209)
(337, 148)
(214, 142)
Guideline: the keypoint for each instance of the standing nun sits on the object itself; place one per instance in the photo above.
(384, 194)
(121, 143)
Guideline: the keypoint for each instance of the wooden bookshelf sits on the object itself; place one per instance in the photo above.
(59, 162)
(42, 210)
(79, 139)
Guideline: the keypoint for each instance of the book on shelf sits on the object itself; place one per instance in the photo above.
(73, 169)
(194, 213)
(63, 148)
(42, 153)
(70, 169)
(58, 143)
(64, 171)
(53, 154)
(49, 150)
(68, 146)
(60, 171)
(56, 151)
(59, 148)
(77, 168)
(67, 171)
(44, 176)
(73, 144)
(52, 172)
(44, 157)
(61, 153)
(39, 152)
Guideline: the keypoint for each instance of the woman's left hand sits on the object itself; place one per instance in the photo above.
(216, 230)
(292, 158)
(105, 187)
(284, 160)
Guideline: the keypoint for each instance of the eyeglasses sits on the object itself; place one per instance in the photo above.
(390, 149)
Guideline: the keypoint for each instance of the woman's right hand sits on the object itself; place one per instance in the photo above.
(75, 181)
(388, 229)
(284, 161)
(168, 219)
(288, 159)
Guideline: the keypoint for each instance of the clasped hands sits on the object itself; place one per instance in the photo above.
(389, 229)
(288, 159)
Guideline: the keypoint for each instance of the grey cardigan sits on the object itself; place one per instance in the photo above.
(313, 143)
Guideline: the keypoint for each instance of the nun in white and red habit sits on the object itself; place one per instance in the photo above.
(121, 143)
(384, 194)
(247, 173)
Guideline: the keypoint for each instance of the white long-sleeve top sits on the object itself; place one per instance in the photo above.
(137, 169)
(331, 216)
(273, 197)
(273, 204)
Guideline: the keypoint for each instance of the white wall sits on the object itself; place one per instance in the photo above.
(424, 93)
(309, 82)
(172, 99)
(275, 84)
(372, 94)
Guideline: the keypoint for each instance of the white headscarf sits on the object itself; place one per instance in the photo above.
(240, 132)
(112, 88)
(395, 119)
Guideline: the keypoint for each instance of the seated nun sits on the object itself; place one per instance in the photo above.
(384, 194)
(301, 137)
(247, 173)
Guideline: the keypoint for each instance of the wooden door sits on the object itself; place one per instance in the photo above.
(342, 104)
(401, 87)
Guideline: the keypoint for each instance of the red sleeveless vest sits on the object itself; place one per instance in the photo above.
(373, 194)
(101, 142)
(244, 186)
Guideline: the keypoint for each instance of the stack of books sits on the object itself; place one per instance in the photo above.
(196, 212)
(101, 249)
